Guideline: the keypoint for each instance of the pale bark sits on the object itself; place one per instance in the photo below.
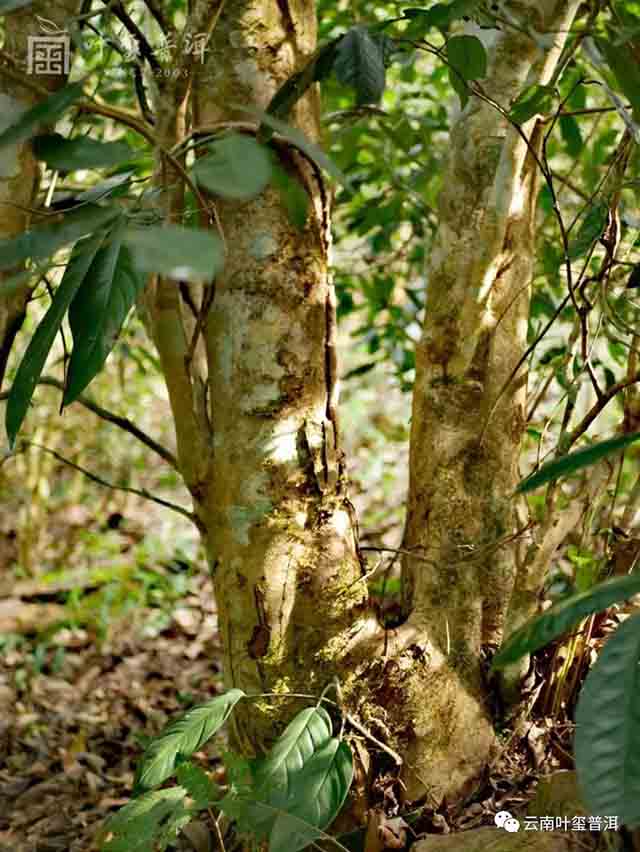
(19, 172)
(463, 457)
(262, 459)
(288, 578)
(262, 455)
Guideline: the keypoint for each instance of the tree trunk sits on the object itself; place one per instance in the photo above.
(466, 427)
(19, 172)
(257, 430)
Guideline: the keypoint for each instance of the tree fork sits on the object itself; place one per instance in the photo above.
(290, 586)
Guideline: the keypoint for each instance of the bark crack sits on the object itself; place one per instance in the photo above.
(287, 17)
(331, 363)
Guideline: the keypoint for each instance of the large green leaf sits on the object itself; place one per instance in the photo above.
(607, 739)
(319, 792)
(186, 254)
(79, 153)
(35, 356)
(290, 833)
(573, 462)
(144, 822)
(467, 61)
(99, 309)
(45, 240)
(313, 151)
(279, 772)
(532, 101)
(318, 67)
(562, 616)
(468, 56)
(183, 737)
(359, 63)
(292, 818)
(45, 112)
(237, 167)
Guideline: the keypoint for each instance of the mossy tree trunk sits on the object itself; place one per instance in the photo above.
(256, 422)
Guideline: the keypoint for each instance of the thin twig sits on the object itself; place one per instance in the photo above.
(365, 733)
(117, 420)
(598, 407)
(139, 492)
(158, 13)
(129, 119)
(130, 25)
(216, 827)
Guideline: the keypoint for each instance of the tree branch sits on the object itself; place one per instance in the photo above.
(130, 25)
(139, 492)
(117, 420)
(158, 13)
(598, 407)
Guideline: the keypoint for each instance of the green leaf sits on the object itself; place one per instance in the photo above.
(467, 61)
(80, 153)
(99, 309)
(113, 186)
(183, 737)
(359, 63)
(624, 65)
(316, 791)
(313, 151)
(607, 739)
(590, 229)
(570, 131)
(318, 67)
(319, 792)
(197, 783)
(561, 617)
(290, 834)
(34, 358)
(279, 772)
(186, 254)
(45, 112)
(576, 461)
(140, 824)
(468, 56)
(440, 15)
(535, 100)
(460, 87)
(294, 196)
(237, 167)
(45, 240)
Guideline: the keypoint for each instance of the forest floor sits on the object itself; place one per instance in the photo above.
(76, 713)
(96, 660)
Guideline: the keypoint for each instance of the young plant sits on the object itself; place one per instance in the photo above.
(288, 797)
